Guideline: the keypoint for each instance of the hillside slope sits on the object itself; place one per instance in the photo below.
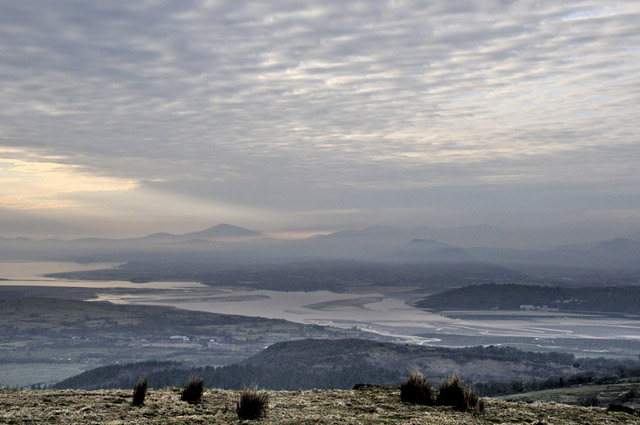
(367, 406)
(608, 299)
(331, 364)
(624, 392)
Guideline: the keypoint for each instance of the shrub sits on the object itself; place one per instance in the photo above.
(139, 392)
(590, 401)
(192, 392)
(416, 390)
(621, 408)
(454, 392)
(252, 404)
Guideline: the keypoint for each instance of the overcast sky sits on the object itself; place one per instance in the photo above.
(130, 117)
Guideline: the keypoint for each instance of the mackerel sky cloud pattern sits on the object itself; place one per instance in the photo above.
(298, 115)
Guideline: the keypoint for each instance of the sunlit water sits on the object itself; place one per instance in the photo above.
(384, 313)
(31, 273)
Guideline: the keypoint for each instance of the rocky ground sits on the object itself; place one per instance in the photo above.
(366, 406)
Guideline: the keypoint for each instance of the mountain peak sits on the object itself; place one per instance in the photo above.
(223, 231)
(430, 243)
(160, 235)
(619, 244)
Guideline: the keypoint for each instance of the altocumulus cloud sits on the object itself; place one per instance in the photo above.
(288, 107)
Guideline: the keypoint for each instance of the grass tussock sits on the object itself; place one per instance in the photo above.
(192, 392)
(372, 405)
(252, 404)
(416, 390)
(454, 392)
(139, 392)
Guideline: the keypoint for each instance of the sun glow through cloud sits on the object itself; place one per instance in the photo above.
(273, 111)
(26, 185)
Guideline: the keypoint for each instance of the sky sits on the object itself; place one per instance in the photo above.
(124, 118)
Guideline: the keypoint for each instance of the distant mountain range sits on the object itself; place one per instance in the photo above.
(467, 236)
(434, 251)
(229, 243)
(219, 232)
(618, 253)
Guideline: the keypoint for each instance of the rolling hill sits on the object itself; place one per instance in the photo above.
(320, 363)
(624, 299)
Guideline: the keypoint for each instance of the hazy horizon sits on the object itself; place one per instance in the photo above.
(470, 236)
(123, 119)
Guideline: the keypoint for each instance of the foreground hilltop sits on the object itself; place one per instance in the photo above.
(371, 405)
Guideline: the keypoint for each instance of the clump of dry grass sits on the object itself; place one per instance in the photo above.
(139, 392)
(192, 392)
(252, 404)
(368, 406)
(454, 392)
(416, 390)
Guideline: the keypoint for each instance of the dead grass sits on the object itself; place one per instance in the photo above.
(192, 392)
(454, 392)
(416, 390)
(252, 404)
(139, 392)
(367, 406)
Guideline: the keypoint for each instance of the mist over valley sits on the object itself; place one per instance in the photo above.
(381, 284)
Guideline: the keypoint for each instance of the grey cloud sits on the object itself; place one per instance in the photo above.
(324, 104)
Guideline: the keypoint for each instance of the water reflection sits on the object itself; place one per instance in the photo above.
(380, 311)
